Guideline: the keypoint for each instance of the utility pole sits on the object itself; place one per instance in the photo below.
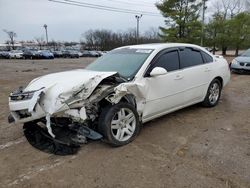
(203, 21)
(46, 31)
(137, 17)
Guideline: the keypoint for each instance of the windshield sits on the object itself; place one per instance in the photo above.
(246, 53)
(125, 61)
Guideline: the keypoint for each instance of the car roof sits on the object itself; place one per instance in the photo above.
(159, 46)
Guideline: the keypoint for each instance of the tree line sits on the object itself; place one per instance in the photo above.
(227, 28)
(107, 40)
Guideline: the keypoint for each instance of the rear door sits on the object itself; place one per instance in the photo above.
(196, 74)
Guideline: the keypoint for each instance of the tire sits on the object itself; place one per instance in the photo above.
(124, 130)
(213, 94)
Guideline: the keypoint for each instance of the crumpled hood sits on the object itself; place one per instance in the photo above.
(68, 78)
(61, 88)
(243, 59)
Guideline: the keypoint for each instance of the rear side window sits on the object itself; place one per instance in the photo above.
(168, 61)
(189, 58)
(207, 58)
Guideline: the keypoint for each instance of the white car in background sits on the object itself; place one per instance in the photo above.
(16, 54)
(118, 92)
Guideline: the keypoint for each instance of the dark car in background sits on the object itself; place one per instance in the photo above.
(45, 54)
(30, 54)
(86, 54)
(70, 54)
(58, 54)
(4, 55)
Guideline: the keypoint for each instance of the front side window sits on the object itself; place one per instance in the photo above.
(190, 57)
(125, 61)
(168, 61)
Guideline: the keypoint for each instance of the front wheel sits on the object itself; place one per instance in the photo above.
(213, 94)
(119, 124)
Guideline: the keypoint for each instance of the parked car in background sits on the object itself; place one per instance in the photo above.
(57, 54)
(86, 53)
(45, 54)
(4, 55)
(118, 92)
(94, 54)
(101, 53)
(241, 63)
(70, 54)
(208, 49)
(16, 54)
(79, 53)
(31, 54)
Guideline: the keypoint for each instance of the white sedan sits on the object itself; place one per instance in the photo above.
(16, 54)
(114, 95)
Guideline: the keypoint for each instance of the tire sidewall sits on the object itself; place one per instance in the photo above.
(105, 123)
(207, 101)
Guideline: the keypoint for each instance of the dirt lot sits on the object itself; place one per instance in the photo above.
(194, 147)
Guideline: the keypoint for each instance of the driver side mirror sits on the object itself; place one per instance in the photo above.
(157, 71)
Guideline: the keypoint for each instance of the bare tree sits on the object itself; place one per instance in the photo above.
(11, 35)
(40, 41)
(229, 8)
(152, 33)
(54, 44)
(89, 38)
(247, 4)
(107, 39)
(236, 6)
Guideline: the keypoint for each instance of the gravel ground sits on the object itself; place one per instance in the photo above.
(194, 147)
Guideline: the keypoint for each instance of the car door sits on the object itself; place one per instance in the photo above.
(164, 92)
(196, 74)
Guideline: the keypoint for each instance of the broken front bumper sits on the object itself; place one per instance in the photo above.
(24, 106)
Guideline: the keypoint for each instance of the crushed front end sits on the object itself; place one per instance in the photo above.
(59, 117)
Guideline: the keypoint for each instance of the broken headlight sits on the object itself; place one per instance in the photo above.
(22, 96)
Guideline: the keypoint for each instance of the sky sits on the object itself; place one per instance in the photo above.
(67, 22)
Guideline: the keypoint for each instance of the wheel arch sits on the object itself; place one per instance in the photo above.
(220, 80)
(128, 98)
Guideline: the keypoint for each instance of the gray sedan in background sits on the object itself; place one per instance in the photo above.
(241, 63)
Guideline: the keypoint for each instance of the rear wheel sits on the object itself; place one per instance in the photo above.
(119, 124)
(213, 94)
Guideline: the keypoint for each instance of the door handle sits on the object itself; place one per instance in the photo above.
(178, 77)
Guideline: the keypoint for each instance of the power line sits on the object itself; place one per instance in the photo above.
(133, 3)
(107, 8)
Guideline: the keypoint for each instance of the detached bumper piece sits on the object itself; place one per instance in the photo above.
(66, 142)
(11, 119)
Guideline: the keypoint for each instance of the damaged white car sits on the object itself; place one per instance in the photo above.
(114, 95)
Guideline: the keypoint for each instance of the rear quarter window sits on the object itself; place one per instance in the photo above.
(207, 58)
